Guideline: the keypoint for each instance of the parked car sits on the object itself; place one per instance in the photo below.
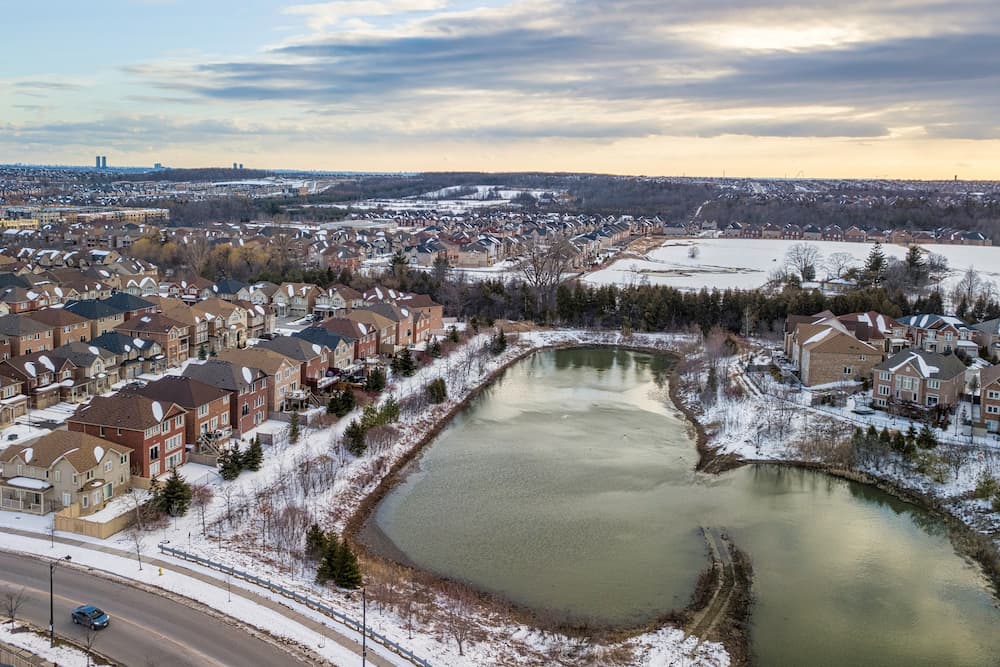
(91, 616)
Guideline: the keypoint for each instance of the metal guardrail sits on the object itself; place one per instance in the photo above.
(301, 599)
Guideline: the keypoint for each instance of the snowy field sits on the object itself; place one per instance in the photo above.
(746, 263)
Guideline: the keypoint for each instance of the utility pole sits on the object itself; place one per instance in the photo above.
(364, 626)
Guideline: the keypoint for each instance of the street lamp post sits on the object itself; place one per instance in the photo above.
(364, 627)
(52, 616)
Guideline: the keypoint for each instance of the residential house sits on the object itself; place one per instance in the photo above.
(62, 469)
(134, 356)
(42, 378)
(989, 406)
(364, 338)
(987, 336)
(171, 335)
(295, 299)
(207, 423)
(13, 403)
(25, 335)
(940, 333)
(283, 373)
(825, 352)
(384, 327)
(402, 318)
(247, 389)
(154, 431)
(67, 326)
(919, 377)
(227, 323)
(96, 369)
(102, 317)
(341, 356)
(130, 305)
(314, 359)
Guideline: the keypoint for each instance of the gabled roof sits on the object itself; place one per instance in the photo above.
(932, 321)
(988, 376)
(187, 392)
(268, 361)
(82, 354)
(323, 336)
(157, 323)
(127, 303)
(295, 347)
(19, 325)
(224, 374)
(119, 343)
(81, 450)
(228, 286)
(129, 411)
(929, 365)
(92, 309)
(56, 317)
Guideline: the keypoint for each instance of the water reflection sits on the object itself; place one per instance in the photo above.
(570, 487)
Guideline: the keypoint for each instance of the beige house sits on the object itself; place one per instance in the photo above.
(826, 353)
(62, 469)
(283, 374)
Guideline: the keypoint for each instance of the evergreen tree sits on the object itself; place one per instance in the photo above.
(453, 333)
(916, 267)
(202, 352)
(375, 382)
(437, 392)
(329, 564)
(935, 304)
(911, 438)
(354, 438)
(175, 496)
(435, 349)
(885, 437)
(899, 442)
(315, 542)
(403, 363)
(389, 411)
(253, 457)
(872, 434)
(927, 439)
(293, 428)
(230, 463)
(348, 573)
(875, 266)
(499, 342)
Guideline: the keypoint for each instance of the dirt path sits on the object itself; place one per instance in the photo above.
(717, 607)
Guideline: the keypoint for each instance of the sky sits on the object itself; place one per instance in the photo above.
(853, 88)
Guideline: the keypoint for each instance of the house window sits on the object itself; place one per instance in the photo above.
(883, 390)
(108, 465)
(84, 501)
(246, 409)
(57, 475)
(932, 399)
(101, 431)
(123, 460)
(173, 443)
(994, 394)
(993, 409)
(179, 421)
(862, 357)
(224, 417)
(934, 384)
(848, 370)
(67, 499)
(202, 410)
(165, 426)
(154, 452)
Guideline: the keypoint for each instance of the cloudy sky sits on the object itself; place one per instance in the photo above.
(863, 88)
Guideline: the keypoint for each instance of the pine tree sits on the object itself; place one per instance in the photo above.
(403, 363)
(926, 439)
(202, 352)
(348, 574)
(435, 349)
(375, 382)
(875, 266)
(453, 333)
(499, 342)
(293, 428)
(354, 438)
(315, 542)
(437, 392)
(175, 496)
(253, 457)
(389, 411)
(885, 437)
(898, 442)
(329, 564)
(230, 463)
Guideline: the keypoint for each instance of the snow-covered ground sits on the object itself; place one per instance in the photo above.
(746, 263)
(38, 644)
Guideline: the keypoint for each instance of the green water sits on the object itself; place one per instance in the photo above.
(569, 488)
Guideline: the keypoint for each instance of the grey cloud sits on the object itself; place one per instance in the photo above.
(613, 53)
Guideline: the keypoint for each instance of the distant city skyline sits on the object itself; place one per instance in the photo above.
(894, 89)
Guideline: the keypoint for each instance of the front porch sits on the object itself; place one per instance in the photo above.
(26, 494)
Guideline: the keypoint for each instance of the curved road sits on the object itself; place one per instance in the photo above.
(146, 629)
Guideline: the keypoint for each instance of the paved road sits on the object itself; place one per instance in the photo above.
(146, 629)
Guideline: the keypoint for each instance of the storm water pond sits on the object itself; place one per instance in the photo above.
(569, 488)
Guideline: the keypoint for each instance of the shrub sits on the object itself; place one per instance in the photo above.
(437, 392)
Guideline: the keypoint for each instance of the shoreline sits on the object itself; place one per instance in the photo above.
(711, 460)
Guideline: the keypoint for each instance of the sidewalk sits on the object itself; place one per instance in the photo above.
(283, 609)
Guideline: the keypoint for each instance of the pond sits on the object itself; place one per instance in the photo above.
(569, 488)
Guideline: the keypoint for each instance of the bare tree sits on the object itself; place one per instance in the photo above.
(195, 251)
(544, 264)
(12, 602)
(803, 258)
(138, 537)
(458, 621)
(839, 263)
(89, 639)
(201, 497)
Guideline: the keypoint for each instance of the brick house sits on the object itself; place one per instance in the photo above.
(827, 352)
(313, 358)
(295, 299)
(62, 469)
(171, 335)
(247, 389)
(987, 335)
(154, 431)
(134, 355)
(102, 317)
(67, 326)
(381, 325)
(989, 392)
(940, 333)
(282, 373)
(130, 305)
(13, 402)
(96, 369)
(206, 425)
(402, 318)
(25, 335)
(918, 377)
(341, 354)
(364, 338)
(42, 377)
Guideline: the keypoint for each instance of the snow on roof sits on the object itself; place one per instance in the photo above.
(30, 367)
(93, 350)
(138, 342)
(925, 369)
(29, 453)
(145, 318)
(45, 361)
(316, 348)
(29, 483)
(157, 411)
(247, 374)
(363, 328)
(815, 338)
(98, 453)
(259, 309)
